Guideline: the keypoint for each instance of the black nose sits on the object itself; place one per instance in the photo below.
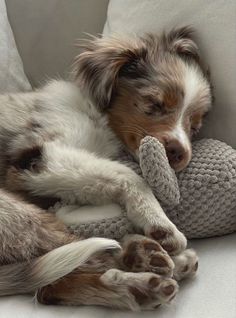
(175, 152)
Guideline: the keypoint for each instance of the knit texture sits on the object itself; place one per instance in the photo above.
(200, 200)
(114, 228)
(207, 188)
(157, 171)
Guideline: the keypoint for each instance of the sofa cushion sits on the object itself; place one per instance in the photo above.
(215, 22)
(12, 77)
(46, 32)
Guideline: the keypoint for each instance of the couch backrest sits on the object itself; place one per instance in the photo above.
(46, 30)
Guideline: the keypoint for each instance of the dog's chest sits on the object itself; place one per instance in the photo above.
(72, 120)
(78, 124)
(94, 135)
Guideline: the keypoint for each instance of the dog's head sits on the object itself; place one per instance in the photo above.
(148, 86)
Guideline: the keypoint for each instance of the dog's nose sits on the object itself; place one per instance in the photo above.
(176, 154)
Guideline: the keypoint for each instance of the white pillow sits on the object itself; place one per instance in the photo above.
(215, 22)
(12, 77)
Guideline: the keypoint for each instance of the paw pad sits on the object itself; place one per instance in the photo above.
(154, 282)
(150, 246)
(159, 234)
(168, 290)
(158, 261)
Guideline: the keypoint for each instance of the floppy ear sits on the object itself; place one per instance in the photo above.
(97, 69)
(180, 41)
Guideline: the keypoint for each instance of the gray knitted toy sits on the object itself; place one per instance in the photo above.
(201, 200)
(207, 187)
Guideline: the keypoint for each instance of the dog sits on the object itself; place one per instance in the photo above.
(62, 142)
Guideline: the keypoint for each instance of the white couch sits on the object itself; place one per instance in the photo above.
(45, 31)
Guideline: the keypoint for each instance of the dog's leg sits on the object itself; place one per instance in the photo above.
(80, 177)
(114, 288)
(133, 290)
(26, 231)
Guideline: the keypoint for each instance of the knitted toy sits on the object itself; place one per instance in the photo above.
(200, 200)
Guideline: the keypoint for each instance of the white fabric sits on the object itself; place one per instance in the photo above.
(12, 77)
(72, 214)
(215, 21)
(211, 294)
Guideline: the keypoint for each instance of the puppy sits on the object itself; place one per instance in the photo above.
(62, 141)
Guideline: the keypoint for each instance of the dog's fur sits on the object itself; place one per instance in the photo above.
(61, 143)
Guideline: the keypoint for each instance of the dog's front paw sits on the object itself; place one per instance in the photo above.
(170, 238)
(141, 254)
(186, 264)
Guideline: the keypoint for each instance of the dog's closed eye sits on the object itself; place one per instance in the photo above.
(155, 108)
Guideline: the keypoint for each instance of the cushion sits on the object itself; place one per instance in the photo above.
(12, 77)
(46, 31)
(216, 33)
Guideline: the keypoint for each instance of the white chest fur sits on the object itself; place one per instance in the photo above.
(75, 121)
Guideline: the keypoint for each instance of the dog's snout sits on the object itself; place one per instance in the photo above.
(176, 154)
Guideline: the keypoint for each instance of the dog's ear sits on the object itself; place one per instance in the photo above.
(180, 41)
(103, 61)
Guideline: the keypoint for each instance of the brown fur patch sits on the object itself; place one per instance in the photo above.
(128, 119)
(72, 289)
(173, 98)
(97, 68)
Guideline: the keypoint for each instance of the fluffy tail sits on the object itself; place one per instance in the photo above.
(23, 278)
